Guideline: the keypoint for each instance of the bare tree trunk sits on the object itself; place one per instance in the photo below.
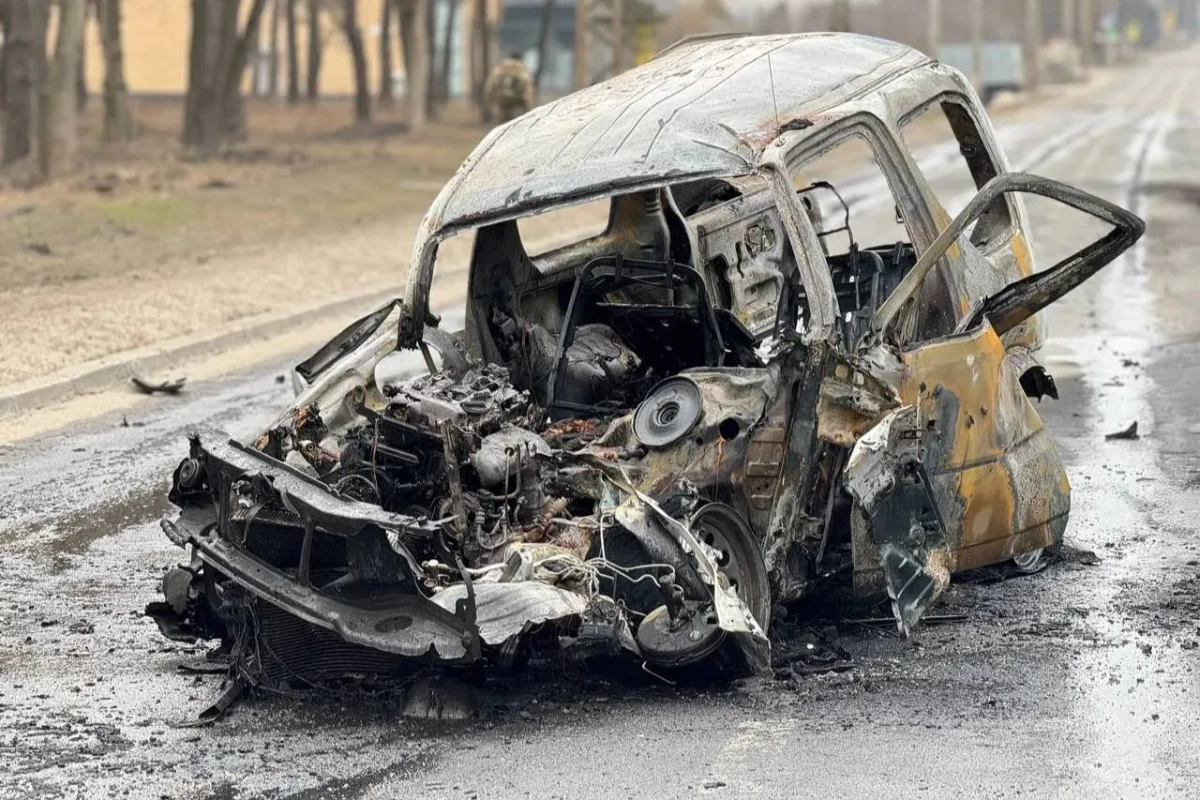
(59, 140)
(235, 66)
(273, 47)
(4, 32)
(478, 68)
(19, 74)
(81, 90)
(490, 57)
(413, 14)
(226, 112)
(544, 42)
(582, 68)
(293, 60)
(200, 78)
(118, 124)
(358, 56)
(41, 61)
(482, 55)
(447, 50)
(214, 113)
(386, 86)
(314, 51)
(431, 72)
(617, 27)
(839, 16)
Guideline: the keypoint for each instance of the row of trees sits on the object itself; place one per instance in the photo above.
(42, 88)
(41, 91)
(220, 50)
(219, 54)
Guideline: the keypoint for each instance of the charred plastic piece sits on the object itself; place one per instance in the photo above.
(669, 413)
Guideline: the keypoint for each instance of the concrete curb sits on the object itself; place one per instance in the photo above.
(109, 371)
(112, 370)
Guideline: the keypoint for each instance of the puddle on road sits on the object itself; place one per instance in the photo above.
(74, 533)
(1114, 698)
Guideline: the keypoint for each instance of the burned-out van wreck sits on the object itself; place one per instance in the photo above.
(645, 440)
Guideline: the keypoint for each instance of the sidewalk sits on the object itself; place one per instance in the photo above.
(73, 336)
(92, 334)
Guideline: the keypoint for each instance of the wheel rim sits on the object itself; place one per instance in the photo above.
(1029, 562)
(739, 556)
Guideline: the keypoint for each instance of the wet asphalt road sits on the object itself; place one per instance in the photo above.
(1080, 681)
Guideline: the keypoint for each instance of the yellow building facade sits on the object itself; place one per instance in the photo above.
(156, 35)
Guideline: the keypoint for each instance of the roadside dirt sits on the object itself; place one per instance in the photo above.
(145, 244)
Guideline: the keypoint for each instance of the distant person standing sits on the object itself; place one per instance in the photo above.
(509, 89)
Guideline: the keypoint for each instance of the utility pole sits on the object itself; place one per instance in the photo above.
(1033, 43)
(583, 29)
(618, 36)
(839, 16)
(1087, 28)
(933, 30)
(977, 44)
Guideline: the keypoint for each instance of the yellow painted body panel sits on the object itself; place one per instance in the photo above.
(999, 483)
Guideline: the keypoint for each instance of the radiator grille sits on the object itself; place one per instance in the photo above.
(294, 653)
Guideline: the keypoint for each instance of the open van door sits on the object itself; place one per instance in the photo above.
(1022, 299)
(963, 474)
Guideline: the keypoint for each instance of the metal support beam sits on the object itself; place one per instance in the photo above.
(933, 30)
(583, 41)
(1033, 44)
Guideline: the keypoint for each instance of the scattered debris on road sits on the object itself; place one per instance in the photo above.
(806, 650)
(173, 386)
(438, 697)
(1127, 434)
(928, 619)
(645, 440)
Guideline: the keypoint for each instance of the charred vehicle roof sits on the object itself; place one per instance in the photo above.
(701, 108)
(646, 439)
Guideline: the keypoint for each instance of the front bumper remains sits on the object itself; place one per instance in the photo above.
(371, 597)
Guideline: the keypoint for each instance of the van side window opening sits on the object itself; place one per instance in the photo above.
(867, 241)
(562, 226)
(950, 152)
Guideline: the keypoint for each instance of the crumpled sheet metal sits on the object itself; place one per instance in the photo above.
(633, 509)
(870, 471)
(914, 576)
(740, 391)
(504, 609)
(733, 616)
(852, 401)
(740, 396)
